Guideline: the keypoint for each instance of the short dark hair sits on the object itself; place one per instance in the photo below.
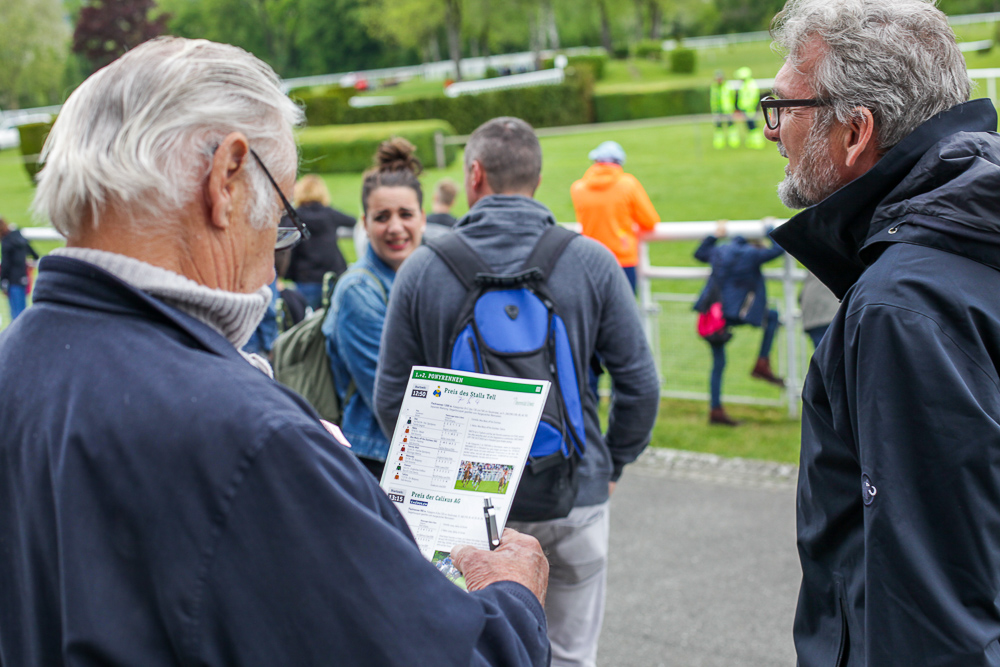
(509, 153)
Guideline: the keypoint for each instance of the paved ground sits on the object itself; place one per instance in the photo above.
(703, 571)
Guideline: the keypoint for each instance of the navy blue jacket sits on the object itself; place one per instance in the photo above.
(164, 503)
(899, 484)
(736, 279)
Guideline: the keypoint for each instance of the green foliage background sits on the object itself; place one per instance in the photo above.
(349, 148)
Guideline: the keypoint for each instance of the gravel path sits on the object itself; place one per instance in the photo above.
(704, 570)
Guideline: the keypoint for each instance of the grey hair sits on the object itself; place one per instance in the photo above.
(141, 132)
(509, 153)
(897, 58)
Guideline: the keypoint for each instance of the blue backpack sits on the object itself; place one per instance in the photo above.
(509, 325)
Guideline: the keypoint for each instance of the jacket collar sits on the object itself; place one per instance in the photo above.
(507, 209)
(384, 272)
(828, 238)
(75, 283)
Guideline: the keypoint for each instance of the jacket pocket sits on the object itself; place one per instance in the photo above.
(844, 652)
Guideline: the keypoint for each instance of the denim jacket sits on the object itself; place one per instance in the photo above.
(353, 329)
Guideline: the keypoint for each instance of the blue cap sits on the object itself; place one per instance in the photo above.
(609, 151)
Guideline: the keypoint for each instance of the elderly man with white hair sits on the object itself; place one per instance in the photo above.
(899, 482)
(162, 500)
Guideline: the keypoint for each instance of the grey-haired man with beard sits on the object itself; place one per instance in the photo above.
(899, 483)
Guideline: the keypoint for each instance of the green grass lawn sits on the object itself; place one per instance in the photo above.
(765, 433)
(484, 486)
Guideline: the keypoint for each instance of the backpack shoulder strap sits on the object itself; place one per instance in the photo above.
(548, 249)
(463, 261)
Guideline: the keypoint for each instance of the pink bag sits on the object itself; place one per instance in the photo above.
(712, 325)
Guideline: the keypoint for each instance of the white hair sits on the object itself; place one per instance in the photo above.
(897, 58)
(140, 133)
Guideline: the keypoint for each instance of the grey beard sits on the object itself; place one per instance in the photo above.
(815, 180)
(791, 195)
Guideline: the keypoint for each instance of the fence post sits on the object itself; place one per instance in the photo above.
(792, 382)
(439, 154)
(645, 292)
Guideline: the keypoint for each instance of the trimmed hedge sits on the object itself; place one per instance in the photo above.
(683, 61)
(33, 137)
(631, 106)
(650, 49)
(542, 106)
(351, 148)
(595, 64)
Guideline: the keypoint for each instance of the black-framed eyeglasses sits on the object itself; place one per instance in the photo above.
(287, 236)
(772, 108)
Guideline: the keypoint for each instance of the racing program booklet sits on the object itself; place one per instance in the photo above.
(460, 438)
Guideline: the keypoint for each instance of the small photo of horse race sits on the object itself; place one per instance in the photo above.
(442, 561)
(483, 477)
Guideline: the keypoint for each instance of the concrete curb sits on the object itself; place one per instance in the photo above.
(681, 464)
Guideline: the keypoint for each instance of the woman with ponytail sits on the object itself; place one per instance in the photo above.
(394, 222)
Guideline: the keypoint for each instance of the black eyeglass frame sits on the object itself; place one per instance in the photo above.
(291, 237)
(769, 102)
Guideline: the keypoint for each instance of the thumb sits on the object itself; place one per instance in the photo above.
(459, 553)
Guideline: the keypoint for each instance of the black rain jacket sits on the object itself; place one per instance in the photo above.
(899, 484)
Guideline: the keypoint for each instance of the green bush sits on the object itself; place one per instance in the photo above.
(593, 64)
(542, 106)
(351, 148)
(683, 61)
(631, 106)
(33, 137)
(650, 49)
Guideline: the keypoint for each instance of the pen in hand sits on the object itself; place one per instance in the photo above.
(492, 533)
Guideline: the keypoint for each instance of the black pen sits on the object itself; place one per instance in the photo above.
(492, 534)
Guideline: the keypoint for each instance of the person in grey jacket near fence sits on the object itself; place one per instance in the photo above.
(503, 162)
(819, 306)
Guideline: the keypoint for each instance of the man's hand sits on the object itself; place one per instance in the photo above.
(720, 229)
(611, 488)
(519, 558)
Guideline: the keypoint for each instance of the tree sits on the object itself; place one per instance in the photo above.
(414, 23)
(295, 37)
(34, 40)
(108, 28)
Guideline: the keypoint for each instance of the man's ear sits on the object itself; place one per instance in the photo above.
(478, 174)
(537, 185)
(859, 138)
(225, 191)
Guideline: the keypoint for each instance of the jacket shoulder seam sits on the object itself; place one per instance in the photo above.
(937, 324)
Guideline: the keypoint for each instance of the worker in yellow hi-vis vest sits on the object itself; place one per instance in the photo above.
(723, 103)
(747, 101)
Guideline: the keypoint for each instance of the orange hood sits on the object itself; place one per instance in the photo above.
(602, 175)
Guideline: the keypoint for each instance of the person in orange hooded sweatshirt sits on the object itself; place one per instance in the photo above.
(613, 207)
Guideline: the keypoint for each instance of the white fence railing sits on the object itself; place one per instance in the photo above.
(545, 77)
(788, 275)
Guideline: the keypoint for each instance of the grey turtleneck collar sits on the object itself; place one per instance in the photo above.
(232, 314)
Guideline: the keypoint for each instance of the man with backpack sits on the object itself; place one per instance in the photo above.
(529, 269)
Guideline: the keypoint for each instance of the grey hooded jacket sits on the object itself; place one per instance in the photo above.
(594, 300)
